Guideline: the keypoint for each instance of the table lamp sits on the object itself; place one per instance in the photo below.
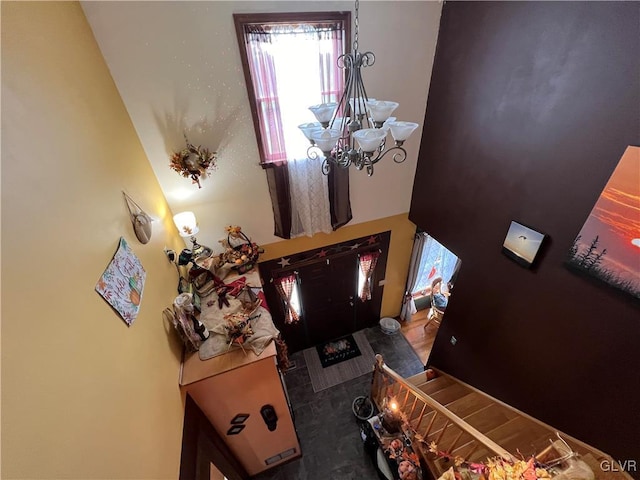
(188, 227)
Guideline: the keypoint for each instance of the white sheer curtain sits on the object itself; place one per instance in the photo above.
(408, 305)
(310, 209)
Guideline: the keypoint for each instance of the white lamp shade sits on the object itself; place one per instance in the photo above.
(326, 139)
(308, 128)
(381, 110)
(385, 125)
(186, 224)
(400, 131)
(369, 139)
(324, 111)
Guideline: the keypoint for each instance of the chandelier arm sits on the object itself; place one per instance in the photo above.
(346, 161)
(399, 155)
(346, 61)
(368, 59)
(314, 152)
(326, 167)
(367, 163)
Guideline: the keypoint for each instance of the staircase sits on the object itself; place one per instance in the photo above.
(465, 422)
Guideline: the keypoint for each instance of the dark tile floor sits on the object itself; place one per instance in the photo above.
(329, 435)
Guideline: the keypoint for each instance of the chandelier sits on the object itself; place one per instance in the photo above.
(354, 130)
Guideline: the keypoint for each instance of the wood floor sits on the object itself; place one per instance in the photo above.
(419, 337)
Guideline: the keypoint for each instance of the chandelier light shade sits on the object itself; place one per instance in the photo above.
(186, 224)
(354, 131)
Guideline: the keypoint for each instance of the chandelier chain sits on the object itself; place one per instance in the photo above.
(355, 37)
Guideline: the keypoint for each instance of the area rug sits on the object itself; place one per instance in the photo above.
(336, 351)
(323, 378)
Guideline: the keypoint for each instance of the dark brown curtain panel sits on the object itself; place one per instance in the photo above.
(278, 181)
(339, 200)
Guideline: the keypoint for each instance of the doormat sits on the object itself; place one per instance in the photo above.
(322, 378)
(336, 351)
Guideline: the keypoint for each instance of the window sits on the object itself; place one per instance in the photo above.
(436, 261)
(366, 266)
(290, 63)
(287, 288)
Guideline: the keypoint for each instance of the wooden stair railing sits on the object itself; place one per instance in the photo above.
(430, 421)
(466, 423)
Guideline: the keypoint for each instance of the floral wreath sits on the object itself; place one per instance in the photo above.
(193, 161)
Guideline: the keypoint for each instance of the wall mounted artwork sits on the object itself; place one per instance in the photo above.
(122, 283)
(522, 244)
(608, 246)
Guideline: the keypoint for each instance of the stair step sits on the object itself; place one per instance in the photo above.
(418, 378)
(516, 433)
(521, 434)
(484, 420)
(433, 385)
(445, 396)
(450, 393)
(462, 407)
(470, 403)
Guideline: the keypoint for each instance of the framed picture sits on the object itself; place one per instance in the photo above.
(522, 244)
(122, 282)
(607, 249)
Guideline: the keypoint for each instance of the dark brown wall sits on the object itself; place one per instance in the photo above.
(530, 107)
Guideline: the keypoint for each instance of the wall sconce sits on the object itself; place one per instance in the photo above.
(188, 227)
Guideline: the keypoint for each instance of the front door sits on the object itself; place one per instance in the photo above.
(328, 292)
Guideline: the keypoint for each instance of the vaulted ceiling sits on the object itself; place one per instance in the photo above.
(177, 68)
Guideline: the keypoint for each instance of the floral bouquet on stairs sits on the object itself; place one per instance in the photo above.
(558, 462)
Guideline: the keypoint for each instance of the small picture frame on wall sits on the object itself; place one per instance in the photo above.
(522, 244)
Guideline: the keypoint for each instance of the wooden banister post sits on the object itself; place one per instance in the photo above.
(379, 361)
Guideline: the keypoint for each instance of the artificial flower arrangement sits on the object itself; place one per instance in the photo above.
(238, 328)
(491, 469)
(393, 421)
(193, 162)
(408, 462)
(566, 466)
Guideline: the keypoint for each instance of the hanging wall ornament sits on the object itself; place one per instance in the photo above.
(193, 162)
(140, 220)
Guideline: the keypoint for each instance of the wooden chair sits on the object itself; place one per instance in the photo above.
(435, 314)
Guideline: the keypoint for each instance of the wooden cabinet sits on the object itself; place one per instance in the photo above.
(238, 383)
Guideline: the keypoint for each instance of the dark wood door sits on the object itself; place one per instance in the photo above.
(328, 296)
(328, 283)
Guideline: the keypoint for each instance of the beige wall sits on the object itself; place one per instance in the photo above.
(83, 395)
(402, 232)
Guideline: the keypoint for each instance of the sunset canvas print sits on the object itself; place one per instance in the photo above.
(608, 246)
